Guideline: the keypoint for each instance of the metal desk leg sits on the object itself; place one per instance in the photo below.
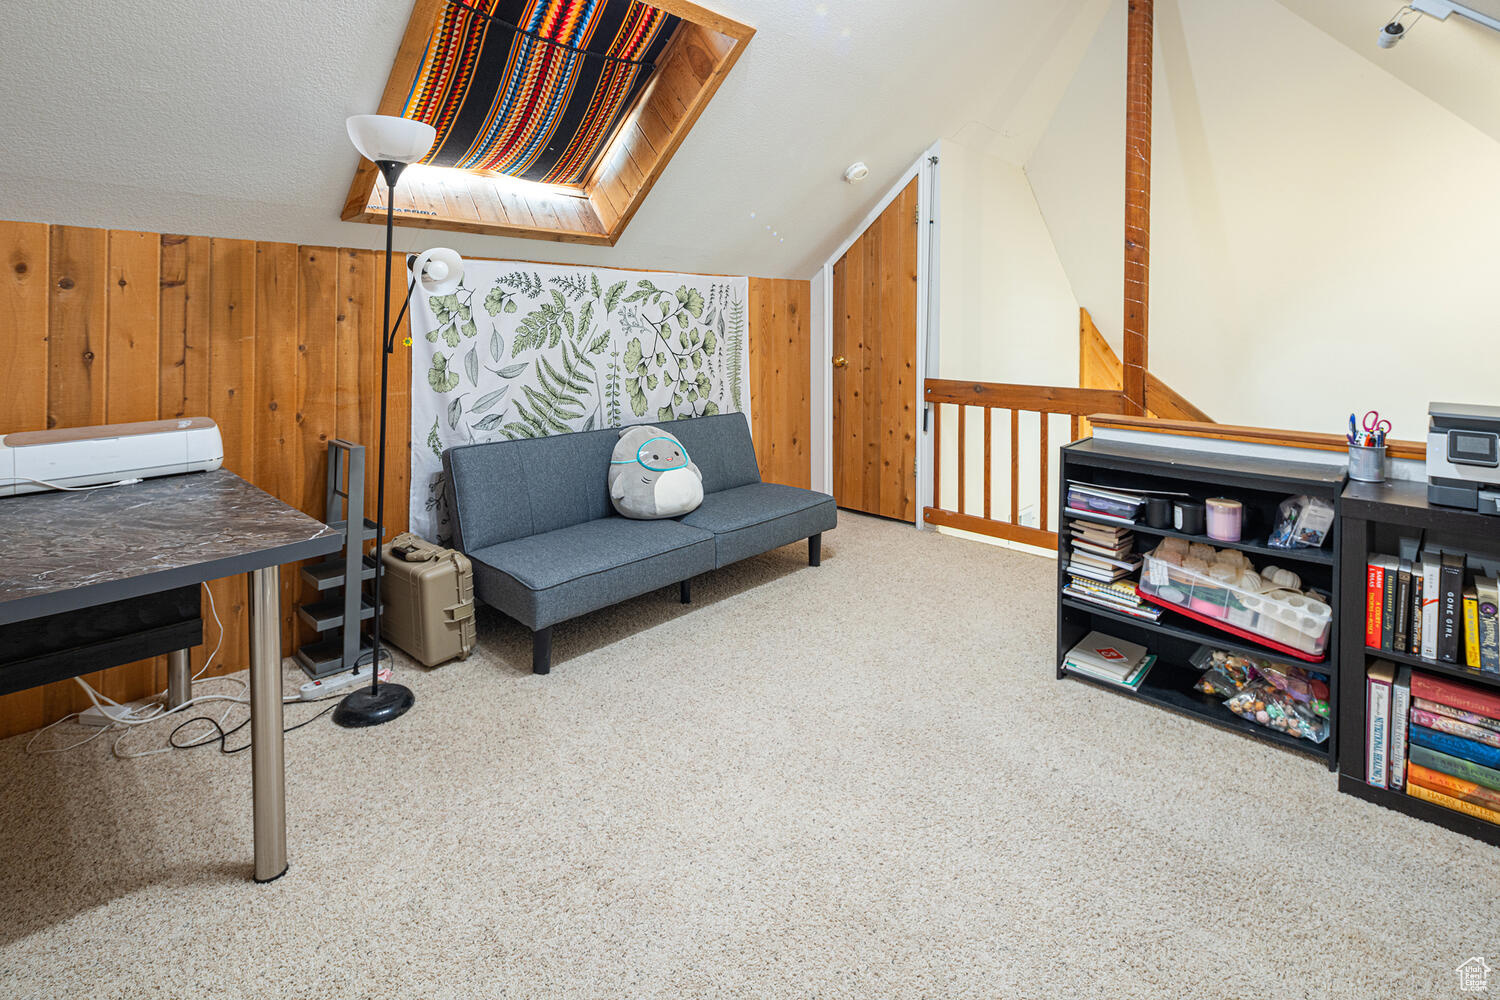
(179, 678)
(267, 759)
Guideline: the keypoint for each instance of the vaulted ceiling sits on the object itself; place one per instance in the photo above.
(228, 121)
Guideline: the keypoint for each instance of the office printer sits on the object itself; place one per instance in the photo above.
(1463, 456)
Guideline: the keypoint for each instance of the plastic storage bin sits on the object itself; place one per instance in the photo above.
(1286, 617)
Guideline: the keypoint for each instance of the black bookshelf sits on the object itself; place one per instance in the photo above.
(1261, 484)
(1373, 518)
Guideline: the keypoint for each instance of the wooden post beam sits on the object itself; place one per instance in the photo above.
(1137, 203)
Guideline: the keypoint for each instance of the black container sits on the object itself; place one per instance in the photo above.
(1189, 518)
(1159, 512)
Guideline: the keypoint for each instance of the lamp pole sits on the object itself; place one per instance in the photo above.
(371, 708)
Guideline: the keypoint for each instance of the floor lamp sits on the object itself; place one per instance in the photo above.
(391, 143)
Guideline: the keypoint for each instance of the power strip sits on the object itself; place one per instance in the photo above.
(326, 686)
(104, 716)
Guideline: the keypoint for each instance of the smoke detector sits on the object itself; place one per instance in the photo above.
(857, 172)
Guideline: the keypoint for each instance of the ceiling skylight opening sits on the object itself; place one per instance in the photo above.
(419, 172)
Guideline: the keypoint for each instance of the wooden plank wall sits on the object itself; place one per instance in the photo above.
(781, 379)
(278, 343)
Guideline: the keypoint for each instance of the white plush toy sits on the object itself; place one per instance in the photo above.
(651, 477)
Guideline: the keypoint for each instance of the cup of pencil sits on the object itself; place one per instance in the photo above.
(1367, 448)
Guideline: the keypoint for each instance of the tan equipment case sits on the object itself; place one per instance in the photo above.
(428, 593)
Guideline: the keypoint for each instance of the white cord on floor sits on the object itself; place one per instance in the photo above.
(151, 713)
(71, 489)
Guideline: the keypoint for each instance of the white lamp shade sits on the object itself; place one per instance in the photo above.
(438, 271)
(387, 137)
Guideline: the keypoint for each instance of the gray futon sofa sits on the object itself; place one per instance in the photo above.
(535, 519)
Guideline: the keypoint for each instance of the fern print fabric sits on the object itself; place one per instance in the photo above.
(526, 350)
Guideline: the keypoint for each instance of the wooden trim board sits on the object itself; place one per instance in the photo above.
(1414, 450)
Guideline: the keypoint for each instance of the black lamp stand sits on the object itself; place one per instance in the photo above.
(380, 702)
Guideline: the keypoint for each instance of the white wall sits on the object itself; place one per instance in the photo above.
(1007, 311)
(1321, 231)
(1006, 314)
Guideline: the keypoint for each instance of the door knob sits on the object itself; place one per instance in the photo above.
(841, 362)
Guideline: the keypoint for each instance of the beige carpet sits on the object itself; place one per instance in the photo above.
(855, 781)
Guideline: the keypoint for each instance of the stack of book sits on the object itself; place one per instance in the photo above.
(1100, 557)
(1421, 607)
(1114, 661)
(1434, 738)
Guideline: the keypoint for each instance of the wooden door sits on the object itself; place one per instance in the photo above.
(875, 366)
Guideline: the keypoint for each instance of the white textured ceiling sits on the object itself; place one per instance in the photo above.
(227, 119)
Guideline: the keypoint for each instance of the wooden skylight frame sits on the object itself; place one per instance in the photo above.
(703, 50)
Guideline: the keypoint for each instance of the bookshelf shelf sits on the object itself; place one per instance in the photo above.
(1170, 686)
(1372, 518)
(1251, 546)
(1203, 635)
(1435, 666)
(1260, 484)
(1429, 812)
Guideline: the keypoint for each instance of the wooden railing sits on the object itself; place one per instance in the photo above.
(1414, 450)
(1044, 400)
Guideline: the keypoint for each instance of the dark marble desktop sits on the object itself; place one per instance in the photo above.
(58, 541)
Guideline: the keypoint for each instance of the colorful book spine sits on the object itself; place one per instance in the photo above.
(1401, 630)
(1374, 595)
(1472, 718)
(1455, 746)
(1455, 694)
(1450, 591)
(1455, 766)
(1437, 781)
(1471, 627)
(1414, 637)
(1449, 802)
(1400, 712)
(1430, 585)
(1388, 603)
(1487, 615)
(1378, 681)
(1444, 724)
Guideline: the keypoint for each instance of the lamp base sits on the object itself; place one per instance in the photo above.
(366, 708)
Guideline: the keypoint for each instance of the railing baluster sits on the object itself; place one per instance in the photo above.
(1044, 418)
(962, 410)
(937, 455)
(1015, 466)
(988, 423)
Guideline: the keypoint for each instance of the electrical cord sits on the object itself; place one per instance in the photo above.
(71, 489)
(222, 736)
(133, 718)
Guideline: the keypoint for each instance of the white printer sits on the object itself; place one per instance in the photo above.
(80, 457)
(1463, 456)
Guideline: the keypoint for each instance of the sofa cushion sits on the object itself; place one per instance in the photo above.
(756, 518)
(500, 490)
(721, 447)
(544, 579)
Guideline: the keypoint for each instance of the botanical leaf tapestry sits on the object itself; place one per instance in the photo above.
(525, 350)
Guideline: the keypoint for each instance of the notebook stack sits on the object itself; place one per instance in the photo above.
(1100, 557)
(1101, 552)
(1454, 745)
(1114, 661)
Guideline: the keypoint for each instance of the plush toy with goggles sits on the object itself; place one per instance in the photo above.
(651, 477)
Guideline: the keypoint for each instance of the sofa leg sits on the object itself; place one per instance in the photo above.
(685, 591)
(815, 549)
(541, 650)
